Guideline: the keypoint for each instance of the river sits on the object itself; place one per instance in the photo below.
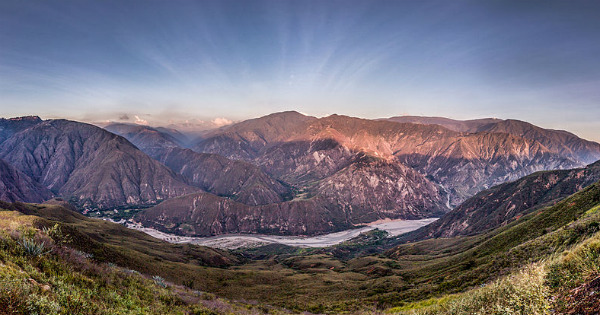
(232, 241)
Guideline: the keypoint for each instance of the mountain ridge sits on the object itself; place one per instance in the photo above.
(90, 165)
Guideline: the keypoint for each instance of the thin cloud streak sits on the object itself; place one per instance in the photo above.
(242, 59)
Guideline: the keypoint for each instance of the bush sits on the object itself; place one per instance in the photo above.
(32, 248)
(159, 281)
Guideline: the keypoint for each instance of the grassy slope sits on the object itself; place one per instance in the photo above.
(331, 280)
(566, 282)
(469, 261)
(41, 274)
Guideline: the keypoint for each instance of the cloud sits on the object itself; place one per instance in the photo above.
(220, 121)
(140, 121)
(124, 117)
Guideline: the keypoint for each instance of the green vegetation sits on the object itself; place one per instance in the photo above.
(117, 213)
(41, 274)
(517, 264)
(564, 282)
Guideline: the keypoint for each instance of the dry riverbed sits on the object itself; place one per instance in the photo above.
(232, 241)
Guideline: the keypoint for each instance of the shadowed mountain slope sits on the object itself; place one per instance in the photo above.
(91, 166)
(240, 181)
(367, 190)
(16, 186)
(507, 202)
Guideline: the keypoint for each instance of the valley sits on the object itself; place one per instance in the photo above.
(303, 214)
(236, 241)
(299, 157)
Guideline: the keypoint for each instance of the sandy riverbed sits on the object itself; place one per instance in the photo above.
(232, 241)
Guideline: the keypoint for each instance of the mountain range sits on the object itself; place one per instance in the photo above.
(285, 173)
(90, 166)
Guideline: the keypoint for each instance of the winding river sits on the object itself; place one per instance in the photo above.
(232, 241)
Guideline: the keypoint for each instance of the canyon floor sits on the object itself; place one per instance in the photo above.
(234, 241)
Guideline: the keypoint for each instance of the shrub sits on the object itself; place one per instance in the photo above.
(32, 248)
(159, 281)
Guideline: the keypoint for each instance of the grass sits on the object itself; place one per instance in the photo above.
(63, 280)
(352, 277)
(565, 281)
(522, 293)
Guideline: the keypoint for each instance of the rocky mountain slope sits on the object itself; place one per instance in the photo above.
(560, 141)
(10, 126)
(310, 149)
(238, 180)
(204, 214)
(92, 167)
(245, 140)
(241, 181)
(16, 186)
(507, 202)
(367, 190)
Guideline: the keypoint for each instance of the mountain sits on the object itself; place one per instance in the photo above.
(560, 141)
(472, 125)
(507, 202)
(204, 214)
(180, 137)
(10, 126)
(369, 189)
(16, 186)
(241, 181)
(90, 166)
(238, 180)
(244, 140)
(563, 142)
(348, 170)
(309, 149)
(148, 139)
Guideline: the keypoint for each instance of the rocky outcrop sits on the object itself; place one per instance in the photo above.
(89, 166)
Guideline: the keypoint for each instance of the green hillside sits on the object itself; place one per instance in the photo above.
(434, 275)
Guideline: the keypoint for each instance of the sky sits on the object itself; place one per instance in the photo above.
(160, 62)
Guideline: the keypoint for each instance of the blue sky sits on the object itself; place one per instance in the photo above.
(537, 61)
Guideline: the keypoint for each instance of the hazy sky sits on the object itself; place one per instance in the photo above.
(537, 61)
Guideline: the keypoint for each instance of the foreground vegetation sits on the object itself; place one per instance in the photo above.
(67, 263)
(41, 274)
(565, 284)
